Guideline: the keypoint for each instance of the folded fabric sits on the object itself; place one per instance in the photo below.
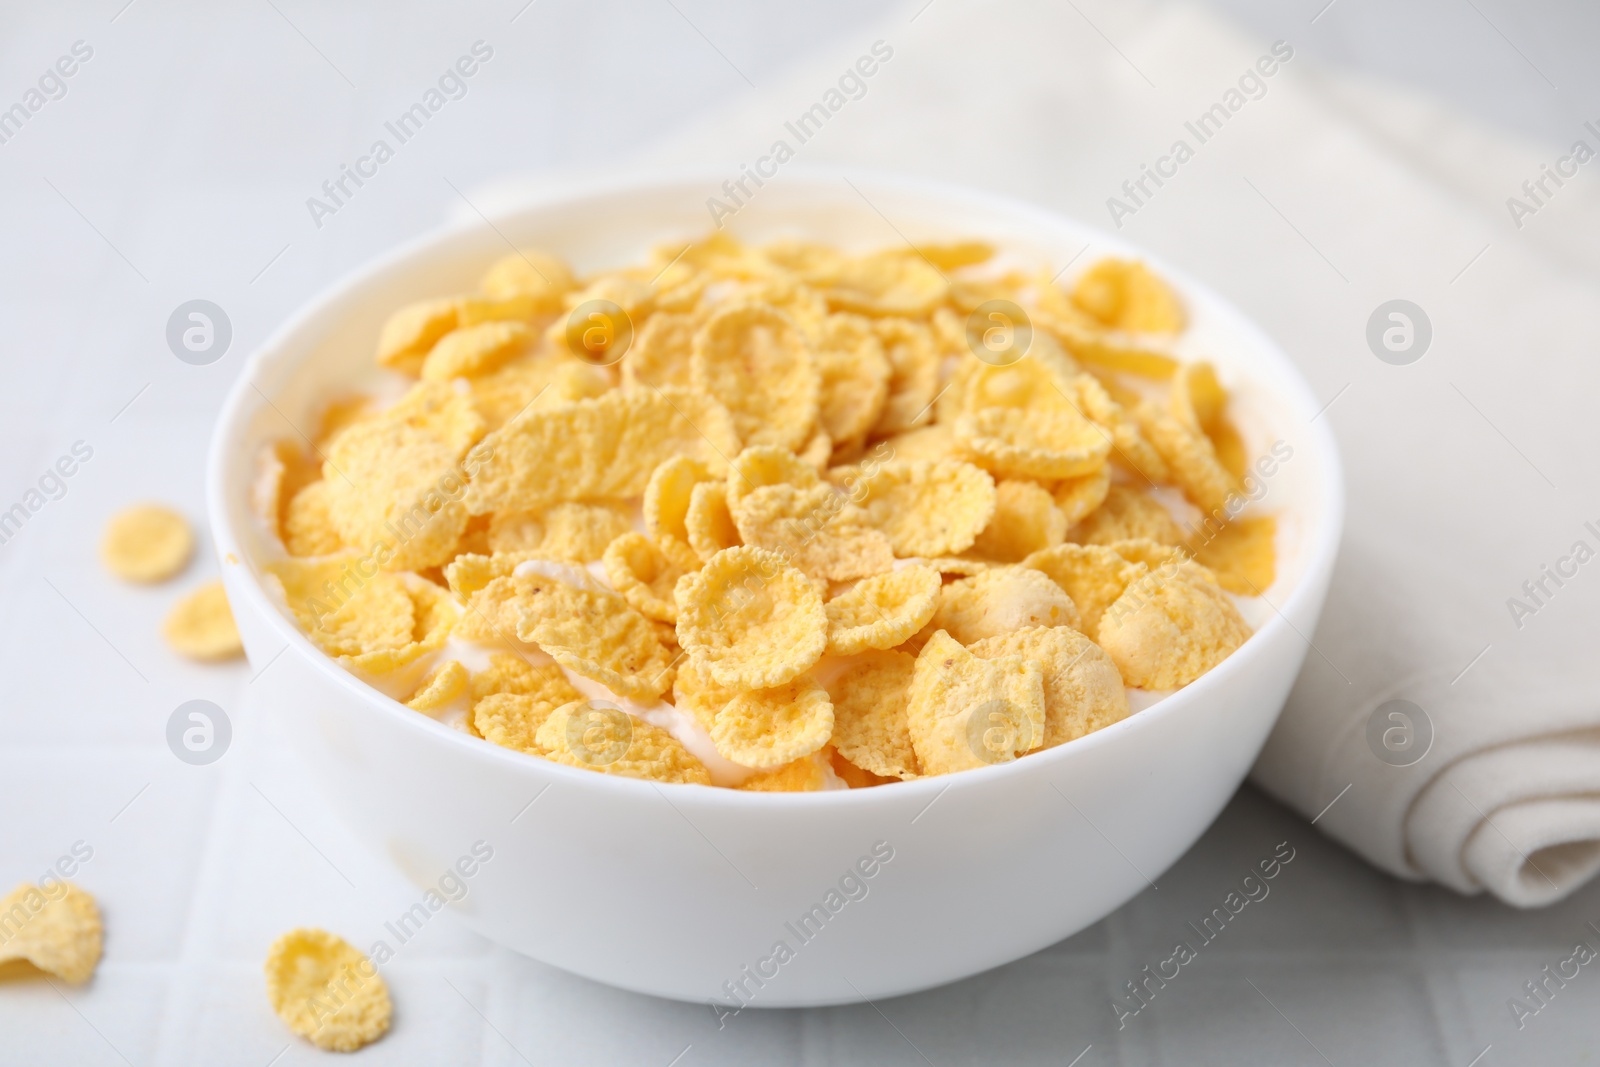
(1470, 471)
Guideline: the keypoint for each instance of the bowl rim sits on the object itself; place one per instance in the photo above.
(1323, 536)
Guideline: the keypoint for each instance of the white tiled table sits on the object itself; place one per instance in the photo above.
(177, 166)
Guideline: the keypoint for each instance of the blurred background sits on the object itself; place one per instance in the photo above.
(176, 163)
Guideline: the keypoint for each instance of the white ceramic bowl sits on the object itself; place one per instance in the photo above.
(679, 890)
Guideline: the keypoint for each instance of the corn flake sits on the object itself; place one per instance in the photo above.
(855, 377)
(1243, 554)
(594, 633)
(808, 774)
(439, 687)
(326, 991)
(882, 611)
(1000, 600)
(913, 375)
(570, 532)
(708, 522)
(1092, 575)
(768, 728)
(594, 737)
(308, 528)
(393, 484)
(646, 573)
(815, 529)
(1170, 626)
(753, 358)
(59, 930)
(661, 351)
(201, 625)
(528, 274)
(929, 508)
(1025, 521)
(750, 619)
(1126, 295)
(1126, 514)
(870, 728)
(146, 543)
(963, 712)
(886, 283)
(474, 350)
(409, 334)
(1078, 497)
(602, 448)
(1082, 690)
(667, 497)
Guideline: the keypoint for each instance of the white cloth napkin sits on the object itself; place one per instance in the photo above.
(1468, 470)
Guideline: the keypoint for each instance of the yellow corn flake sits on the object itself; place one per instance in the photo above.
(1243, 554)
(440, 409)
(762, 466)
(887, 283)
(395, 490)
(595, 633)
(928, 508)
(1127, 513)
(694, 691)
(146, 543)
(708, 522)
(1126, 295)
(964, 712)
(925, 443)
(1092, 575)
(1025, 521)
(956, 254)
(1152, 554)
(750, 619)
(1129, 446)
(853, 776)
(870, 728)
(646, 573)
(598, 737)
(1082, 690)
(1110, 351)
(1169, 627)
(964, 566)
(660, 353)
(474, 350)
(808, 774)
(326, 991)
(409, 334)
(539, 382)
(913, 360)
(570, 532)
(340, 412)
(508, 673)
(56, 928)
(815, 529)
(439, 687)
(1052, 441)
(667, 496)
(753, 358)
(201, 625)
(1000, 600)
(767, 728)
(604, 448)
(308, 528)
(855, 377)
(882, 611)
(512, 720)
(1197, 397)
(375, 624)
(1190, 457)
(528, 274)
(1078, 497)
(818, 451)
